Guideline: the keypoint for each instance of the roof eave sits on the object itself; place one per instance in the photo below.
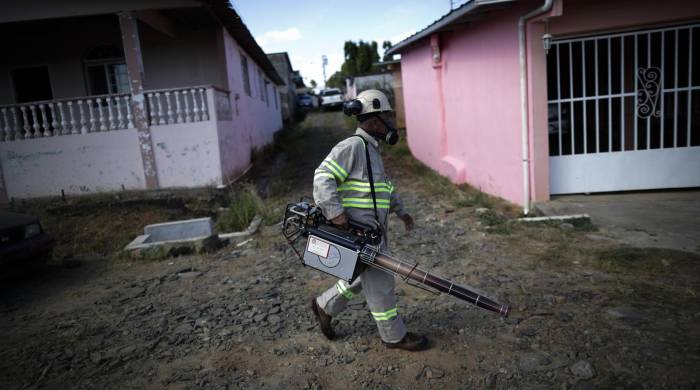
(230, 19)
(442, 23)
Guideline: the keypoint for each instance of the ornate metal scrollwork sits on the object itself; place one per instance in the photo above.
(648, 91)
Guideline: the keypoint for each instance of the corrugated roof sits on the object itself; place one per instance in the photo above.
(234, 24)
(456, 15)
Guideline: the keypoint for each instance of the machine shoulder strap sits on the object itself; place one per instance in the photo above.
(369, 175)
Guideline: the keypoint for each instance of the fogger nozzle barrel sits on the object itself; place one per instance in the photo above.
(411, 271)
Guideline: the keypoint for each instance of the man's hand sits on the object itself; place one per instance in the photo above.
(341, 220)
(407, 222)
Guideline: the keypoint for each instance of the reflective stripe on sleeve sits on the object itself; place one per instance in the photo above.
(340, 169)
(324, 173)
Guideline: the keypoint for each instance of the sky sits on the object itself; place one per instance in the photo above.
(308, 29)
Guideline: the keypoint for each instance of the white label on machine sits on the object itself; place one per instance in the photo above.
(318, 247)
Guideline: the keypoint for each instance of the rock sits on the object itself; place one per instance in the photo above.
(582, 370)
(433, 373)
(274, 310)
(273, 319)
(211, 244)
(184, 328)
(565, 317)
(260, 317)
(189, 275)
(534, 361)
(626, 314)
(566, 226)
(481, 210)
(96, 357)
(133, 292)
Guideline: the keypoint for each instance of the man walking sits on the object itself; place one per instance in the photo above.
(343, 191)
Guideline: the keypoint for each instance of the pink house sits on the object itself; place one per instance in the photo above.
(125, 95)
(527, 99)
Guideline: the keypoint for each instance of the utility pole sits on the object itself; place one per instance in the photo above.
(324, 62)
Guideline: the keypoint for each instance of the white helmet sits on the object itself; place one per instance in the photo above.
(367, 102)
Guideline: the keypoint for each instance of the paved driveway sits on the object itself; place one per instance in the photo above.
(650, 219)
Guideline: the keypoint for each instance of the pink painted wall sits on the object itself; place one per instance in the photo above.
(78, 164)
(253, 121)
(478, 82)
(481, 142)
(187, 154)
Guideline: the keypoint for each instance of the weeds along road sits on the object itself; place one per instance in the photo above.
(588, 313)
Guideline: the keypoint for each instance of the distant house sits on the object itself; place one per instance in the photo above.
(288, 91)
(598, 96)
(111, 95)
(387, 80)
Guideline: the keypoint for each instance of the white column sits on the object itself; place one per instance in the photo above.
(178, 111)
(45, 121)
(83, 118)
(27, 134)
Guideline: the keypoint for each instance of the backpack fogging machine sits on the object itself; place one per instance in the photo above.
(344, 253)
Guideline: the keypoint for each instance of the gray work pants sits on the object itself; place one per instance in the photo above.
(378, 288)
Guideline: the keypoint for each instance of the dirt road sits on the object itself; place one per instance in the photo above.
(588, 313)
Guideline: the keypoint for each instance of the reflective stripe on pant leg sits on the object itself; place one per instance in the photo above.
(385, 316)
(332, 302)
(378, 287)
(344, 290)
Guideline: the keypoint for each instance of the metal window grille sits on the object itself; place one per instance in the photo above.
(624, 92)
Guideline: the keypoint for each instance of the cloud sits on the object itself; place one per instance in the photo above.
(288, 35)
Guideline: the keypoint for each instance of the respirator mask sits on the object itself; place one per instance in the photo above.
(354, 107)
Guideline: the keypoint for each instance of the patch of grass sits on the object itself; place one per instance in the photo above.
(474, 198)
(243, 205)
(651, 262)
(650, 274)
(280, 186)
(103, 224)
(579, 224)
(494, 221)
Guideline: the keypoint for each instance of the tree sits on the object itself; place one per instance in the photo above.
(360, 58)
(337, 80)
(386, 46)
(313, 84)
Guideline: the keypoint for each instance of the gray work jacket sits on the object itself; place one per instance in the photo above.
(341, 183)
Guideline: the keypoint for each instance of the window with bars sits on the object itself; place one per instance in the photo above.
(624, 92)
(261, 85)
(246, 76)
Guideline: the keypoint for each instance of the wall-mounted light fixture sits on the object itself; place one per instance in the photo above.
(546, 38)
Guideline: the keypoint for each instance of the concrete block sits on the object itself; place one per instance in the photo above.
(180, 230)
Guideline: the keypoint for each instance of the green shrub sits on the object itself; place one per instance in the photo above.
(244, 204)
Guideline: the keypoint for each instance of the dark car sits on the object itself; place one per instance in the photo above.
(23, 240)
(305, 101)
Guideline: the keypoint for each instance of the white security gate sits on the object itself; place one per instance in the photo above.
(624, 111)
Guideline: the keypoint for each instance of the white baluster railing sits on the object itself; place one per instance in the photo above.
(59, 117)
(178, 105)
(83, 115)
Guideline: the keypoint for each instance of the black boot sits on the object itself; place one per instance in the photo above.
(324, 320)
(410, 342)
